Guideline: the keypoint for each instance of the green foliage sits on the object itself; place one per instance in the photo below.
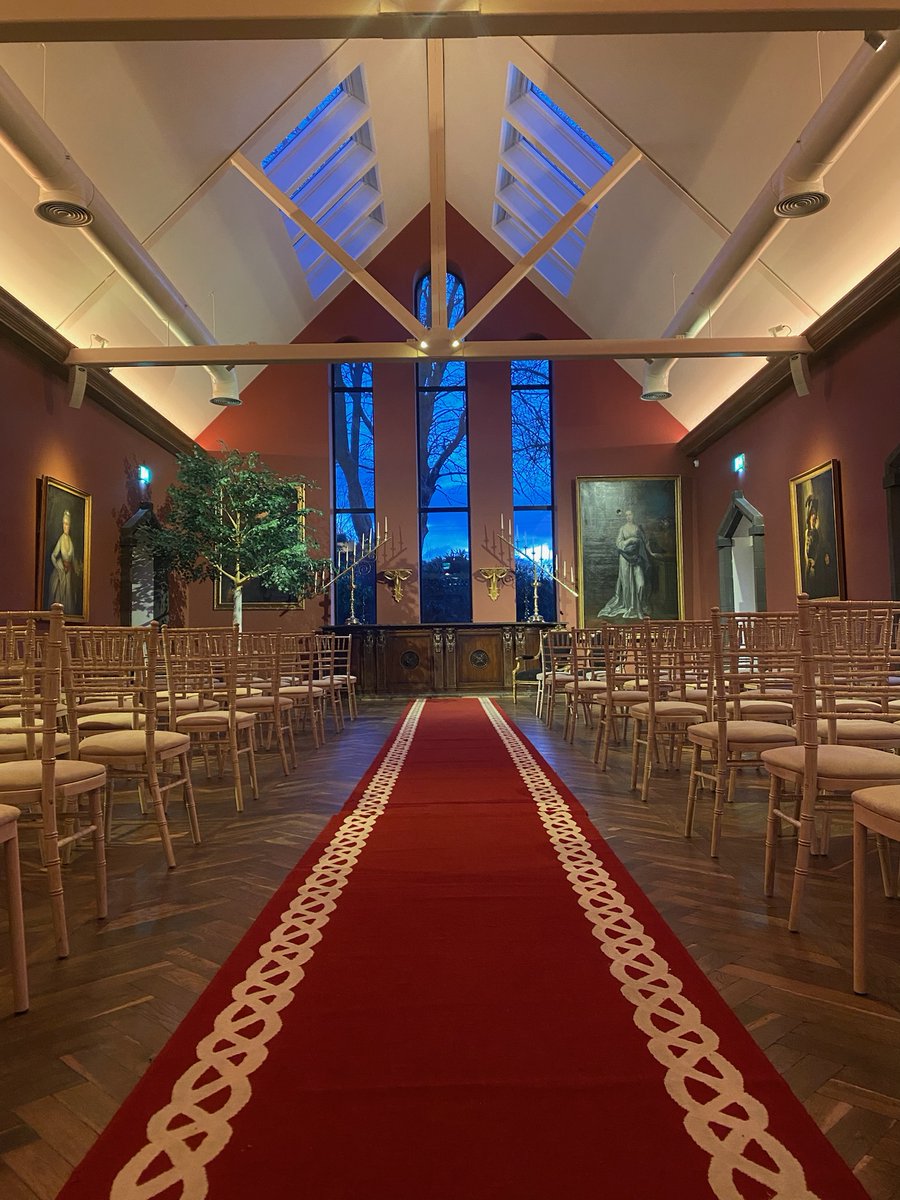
(231, 513)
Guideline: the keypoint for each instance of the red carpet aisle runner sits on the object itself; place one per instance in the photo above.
(460, 993)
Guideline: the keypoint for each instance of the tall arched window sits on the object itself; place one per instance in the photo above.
(532, 463)
(354, 485)
(441, 404)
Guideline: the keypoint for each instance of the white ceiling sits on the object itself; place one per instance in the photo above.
(153, 124)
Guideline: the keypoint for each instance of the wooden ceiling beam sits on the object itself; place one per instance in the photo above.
(258, 353)
(241, 20)
(437, 182)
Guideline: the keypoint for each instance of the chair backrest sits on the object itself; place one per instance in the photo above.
(299, 662)
(116, 666)
(756, 657)
(30, 682)
(198, 663)
(674, 656)
(617, 643)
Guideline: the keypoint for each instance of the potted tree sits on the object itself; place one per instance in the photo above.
(230, 514)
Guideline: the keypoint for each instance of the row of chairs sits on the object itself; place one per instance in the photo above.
(812, 696)
(82, 708)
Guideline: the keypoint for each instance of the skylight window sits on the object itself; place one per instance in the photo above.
(327, 165)
(547, 161)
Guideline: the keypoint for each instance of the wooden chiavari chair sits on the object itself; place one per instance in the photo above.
(326, 678)
(346, 682)
(756, 664)
(41, 781)
(9, 838)
(125, 663)
(876, 810)
(259, 691)
(298, 680)
(559, 650)
(588, 679)
(827, 772)
(625, 686)
(201, 667)
(673, 656)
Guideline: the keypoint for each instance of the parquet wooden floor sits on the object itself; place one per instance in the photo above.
(98, 1018)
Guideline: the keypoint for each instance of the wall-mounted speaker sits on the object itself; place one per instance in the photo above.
(800, 374)
(77, 384)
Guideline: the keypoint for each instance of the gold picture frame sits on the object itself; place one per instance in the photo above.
(818, 534)
(629, 566)
(64, 549)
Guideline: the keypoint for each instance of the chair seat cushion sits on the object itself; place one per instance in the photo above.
(15, 745)
(743, 733)
(26, 775)
(131, 744)
(849, 704)
(302, 689)
(670, 709)
(345, 678)
(839, 764)
(759, 708)
(628, 696)
(884, 801)
(111, 720)
(587, 685)
(213, 720)
(188, 703)
(860, 730)
(261, 703)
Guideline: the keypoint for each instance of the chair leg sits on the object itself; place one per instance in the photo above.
(236, 767)
(95, 803)
(162, 823)
(772, 819)
(859, 908)
(723, 793)
(53, 866)
(804, 849)
(692, 790)
(16, 920)
(189, 801)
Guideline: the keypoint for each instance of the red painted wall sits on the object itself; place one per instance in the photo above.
(87, 448)
(852, 414)
(601, 425)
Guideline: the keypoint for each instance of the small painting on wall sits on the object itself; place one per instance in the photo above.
(818, 532)
(629, 548)
(64, 554)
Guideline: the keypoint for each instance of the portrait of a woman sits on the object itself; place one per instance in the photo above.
(66, 548)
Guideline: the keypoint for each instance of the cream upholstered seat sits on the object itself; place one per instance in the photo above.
(49, 785)
(126, 662)
(9, 838)
(751, 652)
(835, 661)
(875, 809)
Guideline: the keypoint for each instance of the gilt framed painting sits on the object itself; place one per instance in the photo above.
(64, 549)
(629, 548)
(818, 535)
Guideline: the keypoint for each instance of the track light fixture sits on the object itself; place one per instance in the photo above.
(800, 374)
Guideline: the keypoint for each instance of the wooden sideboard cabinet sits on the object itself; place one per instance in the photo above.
(406, 660)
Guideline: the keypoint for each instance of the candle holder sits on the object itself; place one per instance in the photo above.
(351, 560)
(395, 579)
(493, 577)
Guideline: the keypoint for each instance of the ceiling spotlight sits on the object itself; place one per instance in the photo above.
(455, 344)
(423, 345)
(874, 39)
(656, 381)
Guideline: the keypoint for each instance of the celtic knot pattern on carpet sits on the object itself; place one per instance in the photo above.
(722, 1118)
(188, 1133)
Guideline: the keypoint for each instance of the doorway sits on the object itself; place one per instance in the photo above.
(741, 549)
(144, 590)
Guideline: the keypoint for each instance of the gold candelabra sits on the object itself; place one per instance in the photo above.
(349, 558)
(540, 568)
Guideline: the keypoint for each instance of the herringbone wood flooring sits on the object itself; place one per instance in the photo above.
(99, 1017)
